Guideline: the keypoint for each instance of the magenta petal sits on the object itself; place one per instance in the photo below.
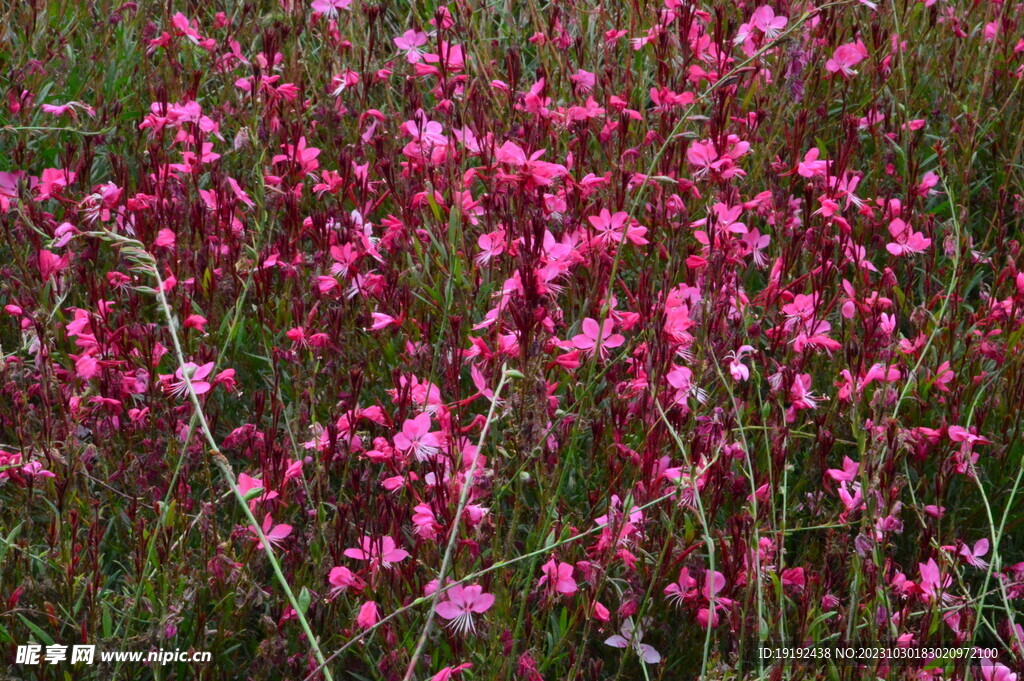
(483, 603)
(448, 610)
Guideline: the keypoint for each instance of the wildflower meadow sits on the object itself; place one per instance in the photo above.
(539, 340)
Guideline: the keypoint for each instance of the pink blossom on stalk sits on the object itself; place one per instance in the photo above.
(738, 370)
(382, 321)
(905, 240)
(50, 264)
(683, 588)
(341, 578)
(630, 636)
(592, 333)
(416, 436)
(558, 577)
(53, 181)
(448, 673)
(462, 604)
(425, 521)
(410, 42)
(583, 80)
(996, 671)
(811, 166)
(846, 57)
(491, 245)
(931, 582)
(848, 473)
(196, 376)
(329, 8)
(381, 552)
(531, 171)
(973, 555)
(368, 615)
(615, 227)
(765, 20)
(275, 534)
(247, 484)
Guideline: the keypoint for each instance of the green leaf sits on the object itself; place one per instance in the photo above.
(40, 634)
(304, 599)
(11, 536)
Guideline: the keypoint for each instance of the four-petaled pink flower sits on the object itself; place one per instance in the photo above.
(381, 552)
(410, 42)
(765, 20)
(593, 334)
(630, 636)
(196, 375)
(846, 57)
(416, 436)
(558, 577)
(462, 604)
(275, 534)
(615, 227)
(329, 8)
(905, 240)
(300, 154)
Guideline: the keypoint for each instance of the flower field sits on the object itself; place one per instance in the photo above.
(546, 340)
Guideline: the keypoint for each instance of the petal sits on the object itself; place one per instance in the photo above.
(483, 603)
(650, 655)
(448, 610)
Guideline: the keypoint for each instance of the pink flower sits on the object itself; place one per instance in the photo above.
(811, 166)
(943, 375)
(994, 671)
(300, 154)
(410, 42)
(50, 264)
(52, 182)
(905, 240)
(462, 604)
(275, 534)
(329, 8)
(247, 484)
(584, 81)
(592, 333)
(531, 171)
(558, 576)
(765, 20)
(165, 238)
(491, 245)
(614, 227)
(368, 615)
(630, 636)
(425, 521)
(973, 556)
(341, 578)
(739, 370)
(416, 436)
(196, 375)
(846, 57)
(849, 472)
(379, 552)
(932, 582)
(448, 673)
(382, 321)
